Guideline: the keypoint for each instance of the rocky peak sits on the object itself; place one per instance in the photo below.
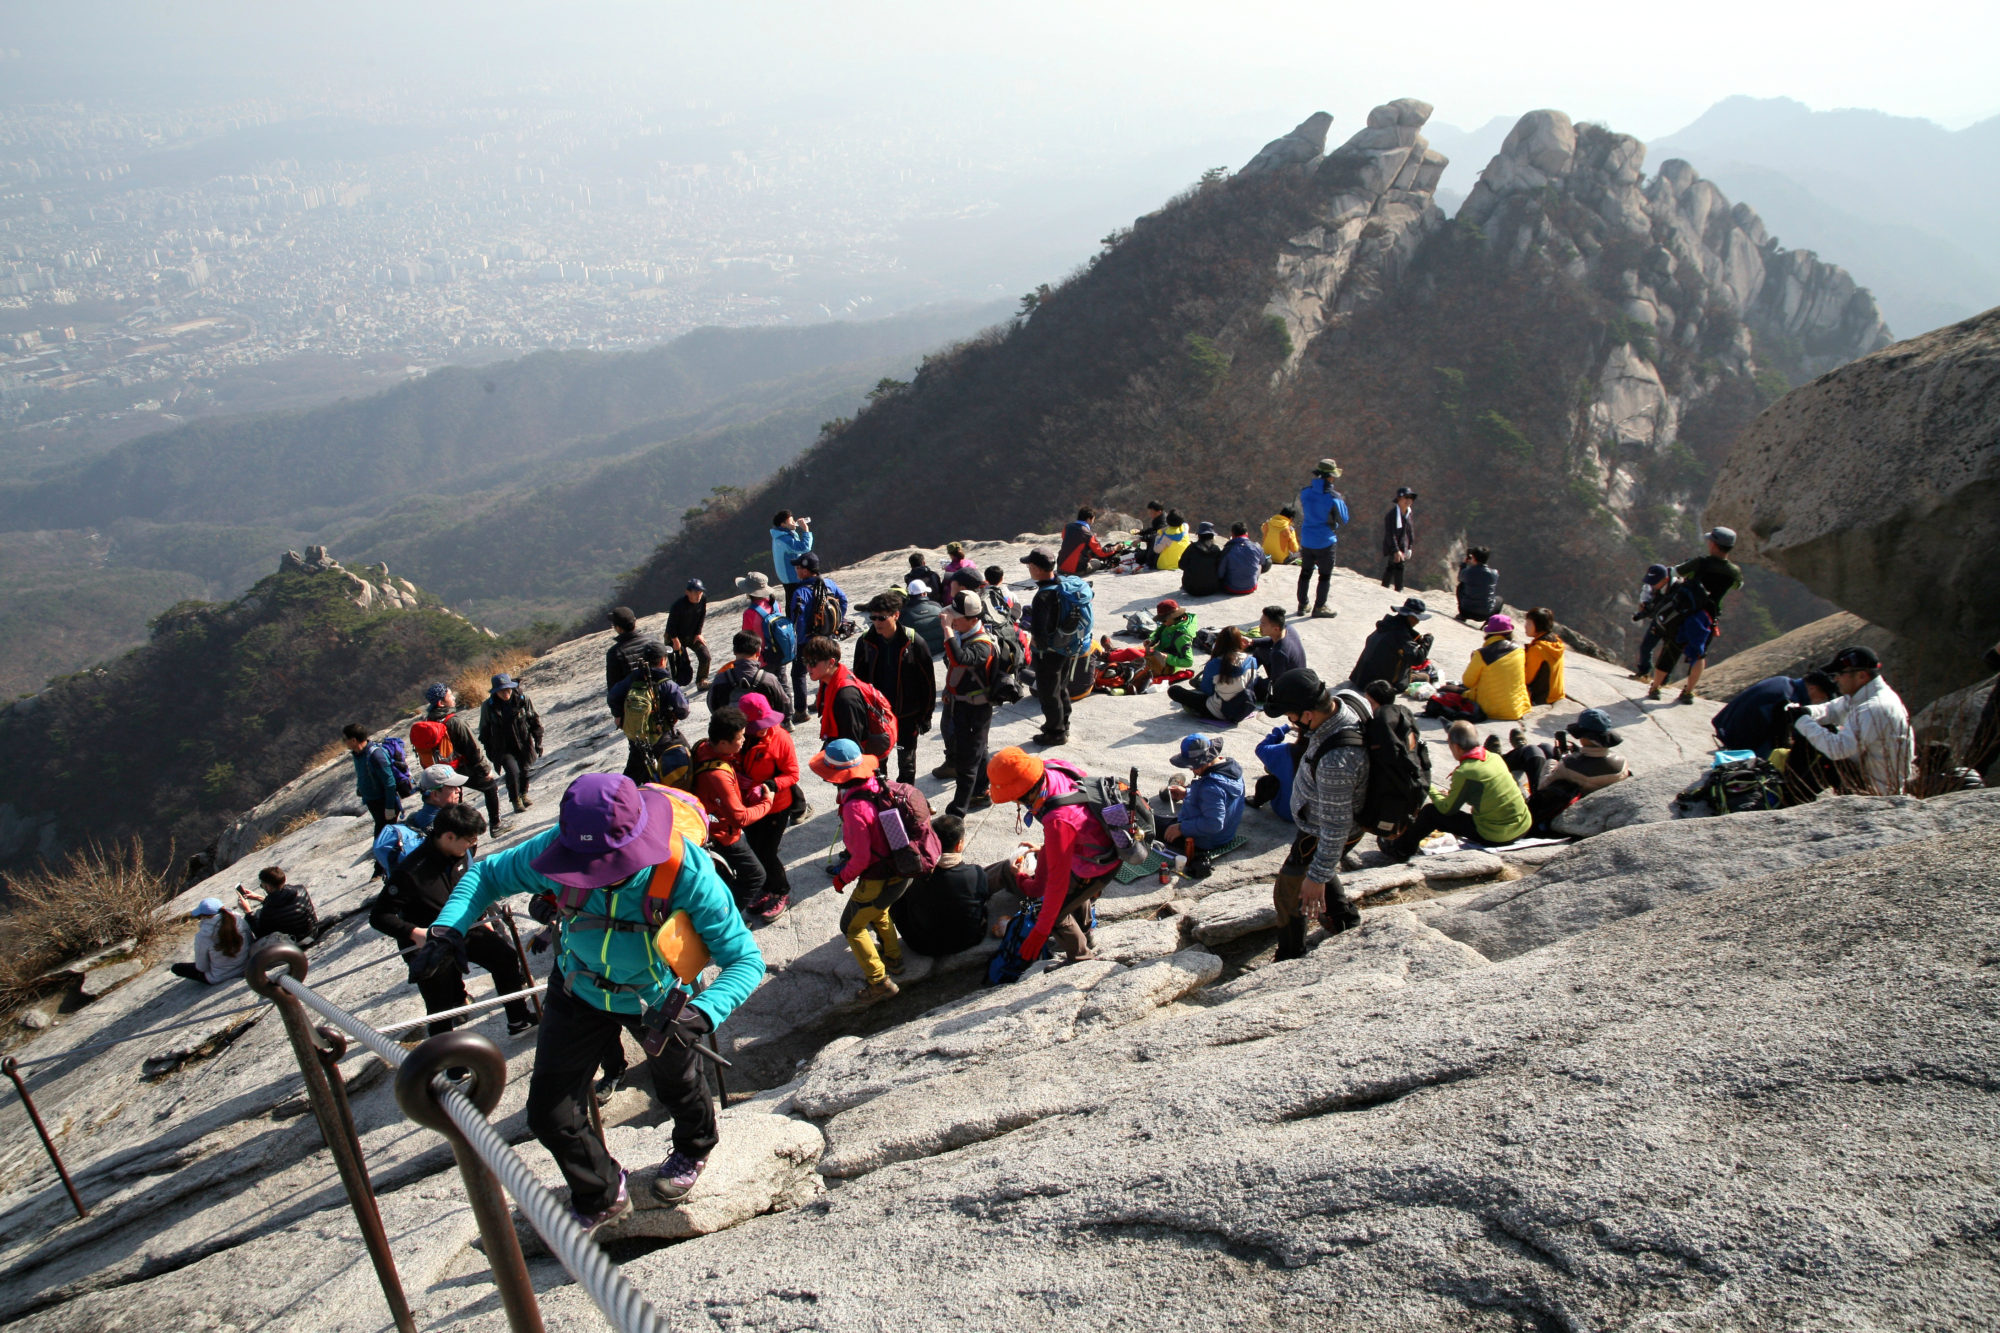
(378, 589)
(1301, 147)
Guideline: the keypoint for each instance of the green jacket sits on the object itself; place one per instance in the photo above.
(1499, 811)
(625, 957)
(1175, 642)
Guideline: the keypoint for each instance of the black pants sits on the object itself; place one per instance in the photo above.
(969, 725)
(514, 772)
(746, 872)
(908, 730)
(573, 1041)
(1052, 688)
(383, 816)
(191, 972)
(1430, 820)
(1392, 574)
(488, 786)
(701, 664)
(1310, 560)
(484, 947)
(765, 839)
(1807, 773)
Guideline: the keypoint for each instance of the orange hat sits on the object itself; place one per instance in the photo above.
(1012, 773)
(843, 761)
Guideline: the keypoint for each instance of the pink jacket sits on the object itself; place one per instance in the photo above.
(1074, 846)
(861, 832)
(754, 623)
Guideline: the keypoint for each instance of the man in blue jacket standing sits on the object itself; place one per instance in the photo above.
(1321, 511)
(612, 838)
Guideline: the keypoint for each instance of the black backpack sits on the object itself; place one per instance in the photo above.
(1005, 685)
(680, 665)
(1118, 808)
(1399, 779)
(1738, 788)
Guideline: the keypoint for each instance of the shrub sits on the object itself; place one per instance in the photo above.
(1505, 436)
(1209, 362)
(471, 684)
(98, 896)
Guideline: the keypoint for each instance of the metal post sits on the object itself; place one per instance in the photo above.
(417, 1093)
(336, 1121)
(13, 1069)
(527, 972)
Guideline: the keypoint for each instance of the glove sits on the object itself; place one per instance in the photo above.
(542, 907)
(443, 950)
(540, 944)
(691, 1026)
(1793, 712)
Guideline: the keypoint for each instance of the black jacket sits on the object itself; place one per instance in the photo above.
(510, 726)
(417, 892)
(1478, 592)
(1393, 647)
(902, 670)
(1277, 656)
(1397, 536)
(626, 654)
(735, 680)
(945, 911)
(286, 910)
(685, 620)
(926, 617)
(1201, 569)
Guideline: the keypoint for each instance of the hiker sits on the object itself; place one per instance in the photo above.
(438, 786)
(848, 708)
(1329, 786)
(1080, 546)
(441, 736)
(1478, 586)
(374, 777)
(923, 615)
(869, 865)
(1277, 648)
(510, 731)
(1542, 657)
(1393, 648)
(747, 675)
(1211, 805)
(1399, 537)
(944, 912)
(613, 840)
(1281, 536)
(1243, 562)
(221, 945)
(1226, 689)
(817, 607)
(1496, 813)
(971, 662)
(1168, 649)
(418, 892)
(1588, 767)
(777, 633)
(1077, 857)
(1325, 511)
(1652, 604)
(790, 538)
(999, 602)
(279, 908)
(1059, 623)
(1146, 549)
(650, 709)
(955, 559)
(1760, 719)
(1201, 564)
(897, 662)
(1172, 542)
(1399, 763)
(769, 761)
(1859, 744)
(732, 807)
(921, 572)
(1495, 687)
(1697, 616)
(628, 646)
(686, 619)
(1273, 788)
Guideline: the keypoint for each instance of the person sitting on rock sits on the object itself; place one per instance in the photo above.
(1859, 744)
(686, 619)
(279, 908)
(1145, 547)
(1760, 719)
(1172, 543)
(1243, 562)
(221, 945)
(1081, 553)
(1394, 648)
(1589, 766)
(1478, 586)
(1169, 647)
(1211, 806)
(1542, 658)
(1496, 812)
(748, 675)
(1697, 611)
(1277, 648)
(944, 912)
(1496, 683)
(1329, 789)
(1281, 536)
(1077, 857)
(1226, 689)
(1201, 564)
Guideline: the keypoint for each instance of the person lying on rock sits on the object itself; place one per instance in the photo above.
(1577, 772)
(944, 912)
(1329, 789)
(612, 840)
(1496, 812)
(1211, 806)
(1077, 856)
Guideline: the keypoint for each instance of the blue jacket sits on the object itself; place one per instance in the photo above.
(626, 957)
(787, 545)
(1235, 709)
(1275, 753)
(1321, 510)
(374, 780)
(1755, 719)
(1242, 562)
(807, 598)
(1214, 806)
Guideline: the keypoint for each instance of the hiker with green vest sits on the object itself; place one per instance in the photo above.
(1497, 812)
(612, 841)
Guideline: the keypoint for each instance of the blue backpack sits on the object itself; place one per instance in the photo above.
(1008, 965)
(399, 765)
(1072, 635)
(781, 637)
(393, 843)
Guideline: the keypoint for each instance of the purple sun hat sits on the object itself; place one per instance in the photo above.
(610, 828)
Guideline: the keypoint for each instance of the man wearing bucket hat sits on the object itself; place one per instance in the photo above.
(1324, 510)
(1394, 647)
(1580, 771)
(613, 839)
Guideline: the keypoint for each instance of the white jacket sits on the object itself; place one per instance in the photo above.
(216, 965)
(1874, 735)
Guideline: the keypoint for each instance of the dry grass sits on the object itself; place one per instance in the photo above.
(98, 896)
(286, 829)
(471, 685)
(326, 754)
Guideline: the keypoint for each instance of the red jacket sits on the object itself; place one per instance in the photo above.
(842, 717)
(1075, 846)
(722, 796)
(770, 759)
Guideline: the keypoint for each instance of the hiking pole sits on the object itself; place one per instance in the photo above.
(13, 1071)
(507, 915)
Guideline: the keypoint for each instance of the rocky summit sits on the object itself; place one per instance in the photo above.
(1678, 1073)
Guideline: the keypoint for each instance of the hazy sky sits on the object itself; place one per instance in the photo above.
(1644, 69)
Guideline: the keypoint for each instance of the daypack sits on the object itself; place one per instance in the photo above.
(781, 637)
(680, 665)
(1005, 685)
(825, 618)
(905, 818)
(1139, 625)
(1072, 629)
(1204, 640)
(393, 843)
(1116, 805)
(1398, 779)
(647, 719)
(1734, 788)
(1008, 965)
(432, 739)
(399, 764)
(881, 719)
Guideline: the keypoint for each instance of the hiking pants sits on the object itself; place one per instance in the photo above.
(1289, 888)
(1807, 773)
(1072, 935)
(1646, 646)
(763, 838)
(489, 786)
(701, 664)
(384, 815)
(1310, 560)
(968, 754)
(1052, 689)
(514, 772)
(485, 948)
(866, 920)
(1392, 574)
(746, 872)
(575, 1037)
(908, 729)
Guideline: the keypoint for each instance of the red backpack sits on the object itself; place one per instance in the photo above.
(432, 742)
(881, 737)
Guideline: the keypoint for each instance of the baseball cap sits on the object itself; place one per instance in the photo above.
(440, 775)
(969, 605)
(1723, 537)
(207, 907)
(1039, 556)
(1197, 751)
(806, 560)
(1295, 692)
(1654, 573)
(1405, 493)
(1855, 658)
(696, 585)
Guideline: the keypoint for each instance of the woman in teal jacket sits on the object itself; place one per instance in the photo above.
(601, 858)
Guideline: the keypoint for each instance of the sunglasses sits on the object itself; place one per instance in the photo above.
(877, 618)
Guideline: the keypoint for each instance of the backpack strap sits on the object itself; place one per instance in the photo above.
(690, 822)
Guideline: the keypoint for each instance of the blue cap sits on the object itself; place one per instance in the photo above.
(843, 753)
(207, 907)
(696, 585)
(436, 691)
(503, 681)
(1198, 751)
(1654, 573)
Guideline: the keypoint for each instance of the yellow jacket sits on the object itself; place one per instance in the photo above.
(1170, 544)
(1497, 679)
(1547, 651)
(1281, 539)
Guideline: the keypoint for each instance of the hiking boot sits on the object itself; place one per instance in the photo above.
(1198, 867)
(1516, 739)
(527, 801)
(1046, 739)
(1492, 744)
(516, 1029)
(515, 805)
(1322, 613)
(620, 1205)
(771, 906)
(980, 802)
(1653, 693)
(1341, 915)
(877, 991)
(895, 965)
(945, 772)
(1687, 696)
(677, 1176)
(701, 684)
(600, 1091)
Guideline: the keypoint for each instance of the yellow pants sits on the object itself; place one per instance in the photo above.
(866, 921)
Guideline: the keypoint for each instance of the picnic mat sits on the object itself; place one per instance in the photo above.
(1445, 848)
(1133, 873)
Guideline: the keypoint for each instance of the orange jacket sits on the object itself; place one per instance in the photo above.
(716, 783)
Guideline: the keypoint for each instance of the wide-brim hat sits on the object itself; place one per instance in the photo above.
(1412, 606)
(1012, 773)
(609, 829)
(758, 715)
(837, 766)
(1326, 467)
(503, 681)
(755, 584)
(1596, 726)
